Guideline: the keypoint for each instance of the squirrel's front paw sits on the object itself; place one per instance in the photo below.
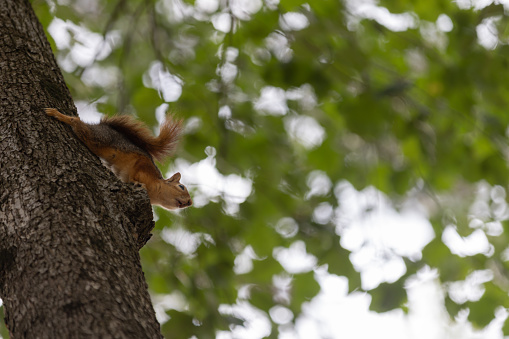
(139, 184)
(51, 112)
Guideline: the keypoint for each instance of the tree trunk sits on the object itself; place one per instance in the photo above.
(70, 231)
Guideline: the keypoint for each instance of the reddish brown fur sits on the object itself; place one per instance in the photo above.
(159, 147)
(131, 165)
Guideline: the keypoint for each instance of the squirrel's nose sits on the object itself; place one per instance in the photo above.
(184, 204)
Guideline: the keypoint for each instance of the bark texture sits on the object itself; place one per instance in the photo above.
(70, 231)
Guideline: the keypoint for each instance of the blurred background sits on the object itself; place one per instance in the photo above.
(348, 160)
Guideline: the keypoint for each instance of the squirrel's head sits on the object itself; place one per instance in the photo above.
(173, 194)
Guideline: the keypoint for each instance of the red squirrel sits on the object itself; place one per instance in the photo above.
(127, 147)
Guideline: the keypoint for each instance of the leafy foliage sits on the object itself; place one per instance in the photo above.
(410, 102)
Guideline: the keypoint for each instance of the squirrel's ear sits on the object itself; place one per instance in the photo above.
(174, 178)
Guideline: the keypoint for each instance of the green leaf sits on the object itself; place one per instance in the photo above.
(304, 288)
(387, 297)
(505, 328)
(291, 5)
(482, 312)
(180, 325)
(492, 10)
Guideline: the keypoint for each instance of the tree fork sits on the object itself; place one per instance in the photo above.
(70, 231)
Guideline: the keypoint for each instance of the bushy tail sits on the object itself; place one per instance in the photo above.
(159, 147)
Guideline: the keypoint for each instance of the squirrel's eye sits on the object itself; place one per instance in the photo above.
(182, 187)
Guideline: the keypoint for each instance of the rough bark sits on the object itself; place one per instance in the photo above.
(69, 230)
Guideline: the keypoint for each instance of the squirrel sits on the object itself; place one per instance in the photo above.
(127, 148)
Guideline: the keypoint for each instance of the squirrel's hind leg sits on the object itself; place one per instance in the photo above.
(52, 112)
(81, 129)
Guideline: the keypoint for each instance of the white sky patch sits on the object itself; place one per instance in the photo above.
(101, 76)
(231, 54)
(377, 235)
(323, 213)
(161, 112)
(334, 313)
(287, 227)
(480, 208)
(222, 22)
(84, 46)
(282, 284)
(244, 261)
(175, 10)
(183, 240)
(295, 259)
(225, 112)
(489, 209)
(487, 33)
(243, 9)
(493, 229)
(271, 4)
(159, 78)
(464, 4)
(498, 194)
(293, 21)
(272, 101)
(427, 317)
(228, 72)
(369, 215)
(256, 325)
(58, 29)
(88, 111)
(470, 289)
(207, 184)
(166, 302)
(319, 184)
(305, 130)
(387, 269)
(207, 6)
(278, 44)
(444, 23)
(304, 95)
(368, 9)
(475, 243)
(281, 315)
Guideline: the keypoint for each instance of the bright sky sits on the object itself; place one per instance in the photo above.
(333, 313)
